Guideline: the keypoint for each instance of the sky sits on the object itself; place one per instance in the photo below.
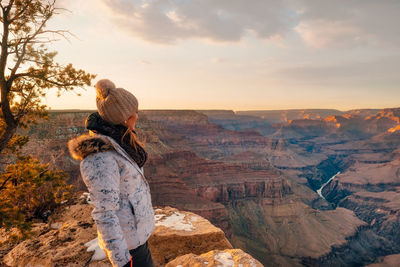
(235, 54)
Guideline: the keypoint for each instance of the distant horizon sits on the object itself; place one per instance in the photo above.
(223, 109)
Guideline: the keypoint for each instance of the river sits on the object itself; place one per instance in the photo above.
(319, 191)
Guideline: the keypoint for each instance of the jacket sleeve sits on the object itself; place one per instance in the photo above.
(101, 175)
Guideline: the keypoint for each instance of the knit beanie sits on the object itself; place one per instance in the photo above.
(115, 105)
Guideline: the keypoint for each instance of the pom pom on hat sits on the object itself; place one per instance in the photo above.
(103, 88)
(115, 105)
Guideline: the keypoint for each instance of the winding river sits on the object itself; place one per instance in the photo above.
(319, 191)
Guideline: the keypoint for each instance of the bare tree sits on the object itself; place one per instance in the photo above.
(27, 67)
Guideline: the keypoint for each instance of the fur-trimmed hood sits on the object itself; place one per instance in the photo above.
(86, 144)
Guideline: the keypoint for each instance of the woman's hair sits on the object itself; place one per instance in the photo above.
(133, 138)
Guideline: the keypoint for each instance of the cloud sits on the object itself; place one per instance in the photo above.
(321, 33)
(321, 23)
(326, 23)
(222, 21)
(348, 73)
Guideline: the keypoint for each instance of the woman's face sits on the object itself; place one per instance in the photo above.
(131, 121)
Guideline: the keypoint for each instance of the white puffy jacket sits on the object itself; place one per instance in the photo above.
(119, 193)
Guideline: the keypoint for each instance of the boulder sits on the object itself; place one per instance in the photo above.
(214, 258)
(179, 232)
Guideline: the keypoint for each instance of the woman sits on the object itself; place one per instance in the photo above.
(112, 160)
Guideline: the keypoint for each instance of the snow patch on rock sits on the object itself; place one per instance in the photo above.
(175, 221)
(225, 258)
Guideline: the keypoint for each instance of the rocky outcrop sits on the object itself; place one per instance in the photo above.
(61, 241)
(227, 257)
(65, 239)
(179, 233)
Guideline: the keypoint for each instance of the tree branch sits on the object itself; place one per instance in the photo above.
(28, 39)
(3, 185)
(21, 11)
(9, 6)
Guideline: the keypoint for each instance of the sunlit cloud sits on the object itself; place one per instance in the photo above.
(320, 23)
(353, 23)
(225, 21)
(322, 34)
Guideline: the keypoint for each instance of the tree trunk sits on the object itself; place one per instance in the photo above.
(7, 135)
(8, 117)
